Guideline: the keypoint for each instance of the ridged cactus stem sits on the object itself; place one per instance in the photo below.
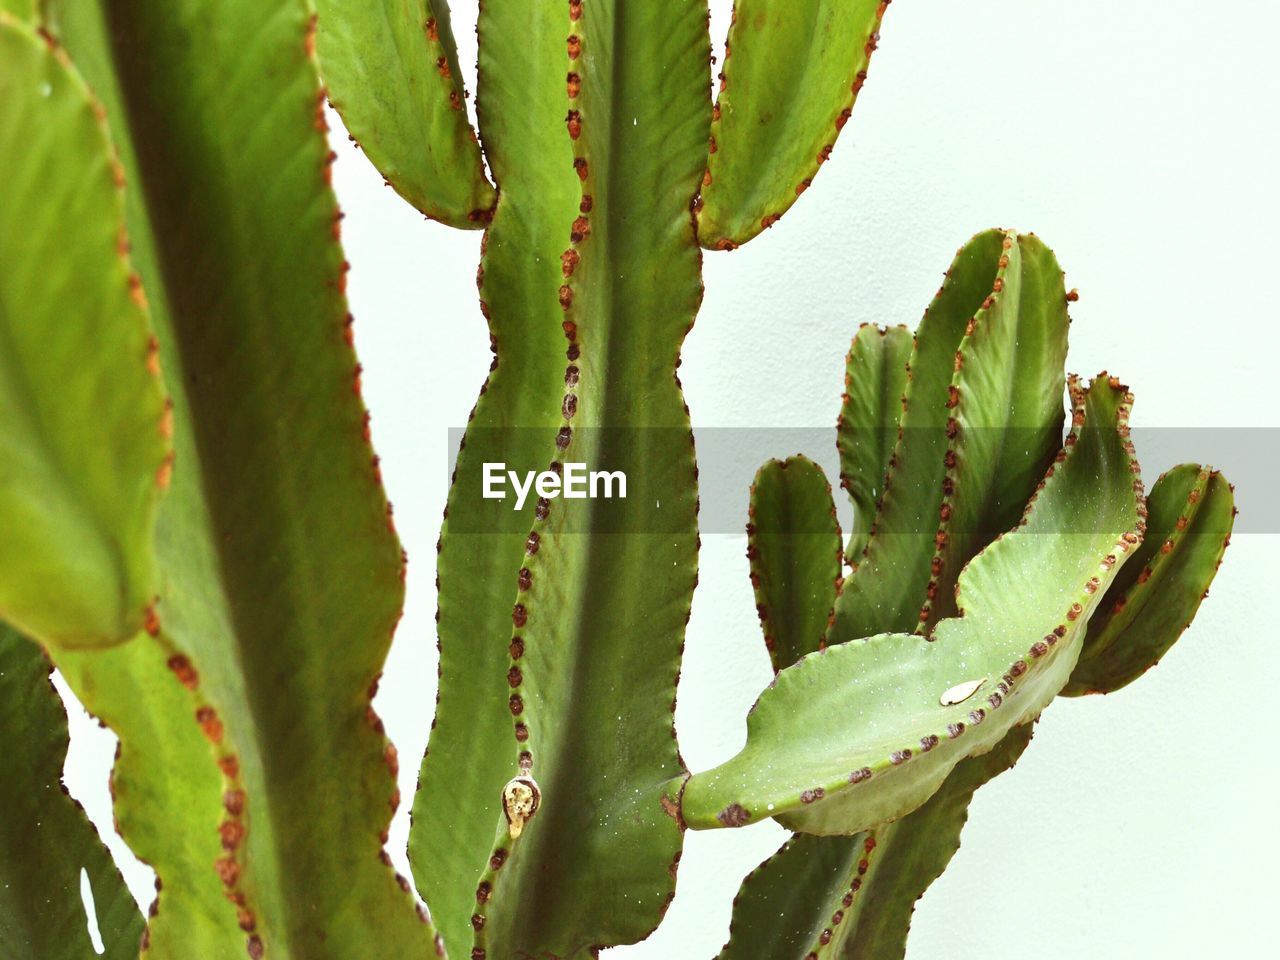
(253, 774)
(572, 664)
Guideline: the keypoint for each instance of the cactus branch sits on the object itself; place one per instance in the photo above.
(828, 770)
(45, 837)
(822, 898)
(603, 600)
(1155, 597)
(82, 410)
(997, 307)
(1004, 406)
(870, 413)
(392, 71)
(484, 543)
(794, 546)
(791, 73)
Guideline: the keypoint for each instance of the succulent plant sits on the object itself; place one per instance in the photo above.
(871, 749)
(197, 536)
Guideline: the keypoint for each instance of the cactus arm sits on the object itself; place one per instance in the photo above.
(982, 417)
(605, 595)
(19, 9)
(166, 792)
(521, 105)
(81, 404)
(794, 546)
(821, 767)
(45, 837)
(787, 903)
(392, 71)
(281, 570)
(1157, 594)
(1005, 406)
(887, 585)
(913, 852)
(792, 71)
(853, 897)
(870, 411)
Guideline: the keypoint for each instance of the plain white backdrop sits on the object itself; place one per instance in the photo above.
(1131, 135)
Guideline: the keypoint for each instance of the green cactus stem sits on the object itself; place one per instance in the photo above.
(829, 896)
(1155, 597)
(45, 838)
(196, 533)
(794, 546)
(923, 707)
(981, 419)
(822, 898)
(600, 593)
(77, 565)
(392, 72)
(791, 74)
(254, 676)
(867, 429)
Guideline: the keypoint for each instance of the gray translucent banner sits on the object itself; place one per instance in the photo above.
(728, 458)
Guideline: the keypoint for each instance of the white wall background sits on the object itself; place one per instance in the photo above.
(1132, 136)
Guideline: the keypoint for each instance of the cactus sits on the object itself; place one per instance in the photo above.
(213, 566)
(874, 834)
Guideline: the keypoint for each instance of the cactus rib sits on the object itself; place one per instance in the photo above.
(1004, 413)
(520, 103)
(969, 343)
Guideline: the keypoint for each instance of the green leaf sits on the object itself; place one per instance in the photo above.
(1157, 594)
(853, 897)
(866, 732)
(392, 71)
(870, 415)
(994, 338)
(521, 105)
(82, 455)
(282, 574)
(604, 596)
(794, 545)
(791, 73)
(45, 838)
